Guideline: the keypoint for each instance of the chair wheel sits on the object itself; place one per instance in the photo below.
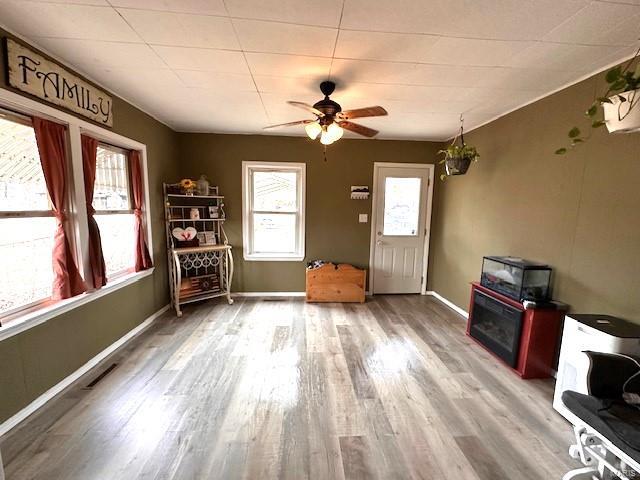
(574, 452)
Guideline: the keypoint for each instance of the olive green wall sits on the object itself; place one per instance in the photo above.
(35, 360)
(579, 212)
(332, 228)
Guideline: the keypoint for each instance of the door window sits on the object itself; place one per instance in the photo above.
(401, 206)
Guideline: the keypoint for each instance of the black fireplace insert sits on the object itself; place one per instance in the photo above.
(497, 326)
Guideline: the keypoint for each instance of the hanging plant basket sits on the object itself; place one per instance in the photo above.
(620, 104)
(458, 158)
(457, 166)
(623, 116)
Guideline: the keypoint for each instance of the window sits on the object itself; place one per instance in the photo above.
(401, 206)
(273, 210)
(26, 219)
(114, 213)
(28, 225)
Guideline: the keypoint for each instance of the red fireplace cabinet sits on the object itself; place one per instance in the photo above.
(540, 333)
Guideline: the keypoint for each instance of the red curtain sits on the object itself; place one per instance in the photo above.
(143, 259)
(96, 258)
(50, 137)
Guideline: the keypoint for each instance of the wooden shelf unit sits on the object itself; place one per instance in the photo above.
(202, 271)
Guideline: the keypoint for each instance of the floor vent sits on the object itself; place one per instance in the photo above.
(274, 299)
(95, 381)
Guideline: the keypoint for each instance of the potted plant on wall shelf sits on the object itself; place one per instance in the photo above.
(458, 158)
(620, 104)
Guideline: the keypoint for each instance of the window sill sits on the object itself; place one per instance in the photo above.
(40, 315)
(273, 258)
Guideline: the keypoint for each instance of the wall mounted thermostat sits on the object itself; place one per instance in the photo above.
(363, 217)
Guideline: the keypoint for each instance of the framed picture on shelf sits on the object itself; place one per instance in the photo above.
(207, 238)
(214, 212)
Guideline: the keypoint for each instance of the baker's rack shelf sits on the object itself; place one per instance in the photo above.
(200, 268)
(182, 195)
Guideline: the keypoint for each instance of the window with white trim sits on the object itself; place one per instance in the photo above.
(114, 212)
(27, 221)
(273, 210)
(26, 218)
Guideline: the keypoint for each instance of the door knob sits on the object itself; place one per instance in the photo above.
(379, 242)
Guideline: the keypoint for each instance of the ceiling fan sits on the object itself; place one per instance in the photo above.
(331, 120)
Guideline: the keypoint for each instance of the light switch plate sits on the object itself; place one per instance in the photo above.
(363, 217)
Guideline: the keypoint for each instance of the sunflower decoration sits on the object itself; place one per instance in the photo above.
(188, 186)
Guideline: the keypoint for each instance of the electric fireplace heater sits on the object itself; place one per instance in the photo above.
(497, 325)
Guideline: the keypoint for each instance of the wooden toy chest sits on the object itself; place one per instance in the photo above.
(331, 283)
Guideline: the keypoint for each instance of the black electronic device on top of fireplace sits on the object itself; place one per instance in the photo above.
(497, 325)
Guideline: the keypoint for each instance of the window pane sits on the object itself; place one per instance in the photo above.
(25, 260)
(401, 206)
(111, 190)
(274, 233)
(22, 184)
(274, 191)
(118, 242)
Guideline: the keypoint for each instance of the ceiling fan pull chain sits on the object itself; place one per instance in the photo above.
(325, 152)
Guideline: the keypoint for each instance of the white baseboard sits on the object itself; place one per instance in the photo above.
(63, 384)
(268, 294)
(449, 304)
(276, 294)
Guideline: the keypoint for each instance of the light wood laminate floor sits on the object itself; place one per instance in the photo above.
(263, 389)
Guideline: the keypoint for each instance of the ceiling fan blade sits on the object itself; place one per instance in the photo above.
(376, 111)
(359, 129)
(307, 107)
(290, 124)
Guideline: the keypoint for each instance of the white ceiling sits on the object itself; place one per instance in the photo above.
(230, 65)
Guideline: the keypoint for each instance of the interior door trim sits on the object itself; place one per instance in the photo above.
(427, 222)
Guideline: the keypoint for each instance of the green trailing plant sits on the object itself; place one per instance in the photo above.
(459, 152)
(620, 79)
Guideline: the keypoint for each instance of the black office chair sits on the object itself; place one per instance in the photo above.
(607, 426)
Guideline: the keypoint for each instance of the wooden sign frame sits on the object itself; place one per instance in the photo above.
(32, 73)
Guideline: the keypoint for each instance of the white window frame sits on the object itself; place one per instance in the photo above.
(26, 318)
(247, 210)
(130, 210)
(25, 120)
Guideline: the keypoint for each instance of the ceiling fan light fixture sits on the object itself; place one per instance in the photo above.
(331, 120)
(313, 130)
(335, 131)
(326, 138)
